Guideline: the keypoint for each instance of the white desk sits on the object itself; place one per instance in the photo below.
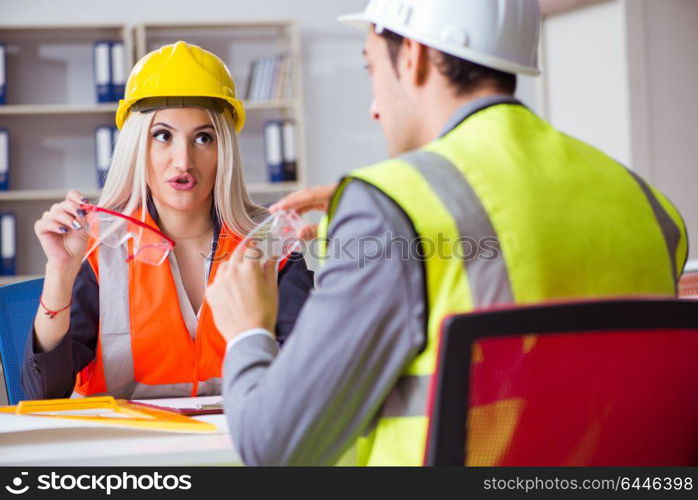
(122, 447)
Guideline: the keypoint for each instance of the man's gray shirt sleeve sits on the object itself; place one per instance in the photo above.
(361, 325)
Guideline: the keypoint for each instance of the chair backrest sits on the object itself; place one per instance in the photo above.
(18, 304)
(609, 383)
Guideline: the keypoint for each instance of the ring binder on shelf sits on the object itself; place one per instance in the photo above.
(8, 249)
(102, 70)
(289, 150)
(273, 150)
(4, 159)
(118, 71)
(103, 151)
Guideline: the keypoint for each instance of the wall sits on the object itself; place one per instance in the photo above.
(664, 82)
(585, 82)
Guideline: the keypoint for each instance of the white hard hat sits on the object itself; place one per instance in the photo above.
(499, 34)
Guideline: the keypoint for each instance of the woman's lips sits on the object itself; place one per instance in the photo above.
(184, 182)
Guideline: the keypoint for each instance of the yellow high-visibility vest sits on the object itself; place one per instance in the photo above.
(510, 211)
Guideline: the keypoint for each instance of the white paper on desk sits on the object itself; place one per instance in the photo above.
(181, 403)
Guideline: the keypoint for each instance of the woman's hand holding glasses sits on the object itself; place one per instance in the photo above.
(60, 233)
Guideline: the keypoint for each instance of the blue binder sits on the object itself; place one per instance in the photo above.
(289, 150)
(103, 150)
(118, 71)
(4, 159)
(102, 70)
(8, 250)
(273, 150)
(3, 75)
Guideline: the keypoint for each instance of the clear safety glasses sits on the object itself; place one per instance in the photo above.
(113, 229)
(277, 236)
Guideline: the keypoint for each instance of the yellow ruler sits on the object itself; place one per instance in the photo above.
(110, 412)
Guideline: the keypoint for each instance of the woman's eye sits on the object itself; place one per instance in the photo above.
(162, 136)
(203, 139)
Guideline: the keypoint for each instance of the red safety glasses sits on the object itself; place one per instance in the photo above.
(113, 229)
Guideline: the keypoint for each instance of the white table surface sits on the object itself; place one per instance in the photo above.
(122, 447)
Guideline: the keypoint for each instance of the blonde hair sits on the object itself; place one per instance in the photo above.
(126, 189)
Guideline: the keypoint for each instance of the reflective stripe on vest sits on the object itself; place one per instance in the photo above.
(114, 320)
(117, 354)
(488, 278)
(670, 229)
(568, 222)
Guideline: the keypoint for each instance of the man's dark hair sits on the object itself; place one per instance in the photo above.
(464, 76)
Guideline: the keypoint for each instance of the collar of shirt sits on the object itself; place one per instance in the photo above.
(469, 109)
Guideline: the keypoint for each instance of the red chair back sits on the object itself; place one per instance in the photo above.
(595, 384)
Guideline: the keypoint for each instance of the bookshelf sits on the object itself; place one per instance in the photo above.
(51, 114)
(52, 110)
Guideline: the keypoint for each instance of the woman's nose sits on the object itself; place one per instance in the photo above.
(182, 155)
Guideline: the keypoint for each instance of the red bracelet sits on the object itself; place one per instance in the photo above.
(52, 314)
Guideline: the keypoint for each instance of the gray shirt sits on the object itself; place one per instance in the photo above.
(361, 325)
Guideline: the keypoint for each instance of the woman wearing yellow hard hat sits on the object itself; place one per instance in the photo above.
(122, 310)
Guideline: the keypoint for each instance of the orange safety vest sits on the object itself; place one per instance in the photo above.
(156, 356)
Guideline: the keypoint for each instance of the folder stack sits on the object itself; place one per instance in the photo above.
(105, 139)
(269, 79)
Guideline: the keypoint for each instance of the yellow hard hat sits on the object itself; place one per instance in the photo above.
(180, 70)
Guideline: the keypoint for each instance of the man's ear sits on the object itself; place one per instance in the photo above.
(415, 61)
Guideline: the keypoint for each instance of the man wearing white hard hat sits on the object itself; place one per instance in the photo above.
(501, 208)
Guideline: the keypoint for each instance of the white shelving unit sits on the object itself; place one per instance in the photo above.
(56, 109)
(51, 114)
(52, 110)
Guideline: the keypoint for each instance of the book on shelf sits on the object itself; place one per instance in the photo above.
(110, 70)
(102, 70)
(273, 150)
(280, 150)
(104, 147)
(288, 145)
(4, 159)
(269, 78)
